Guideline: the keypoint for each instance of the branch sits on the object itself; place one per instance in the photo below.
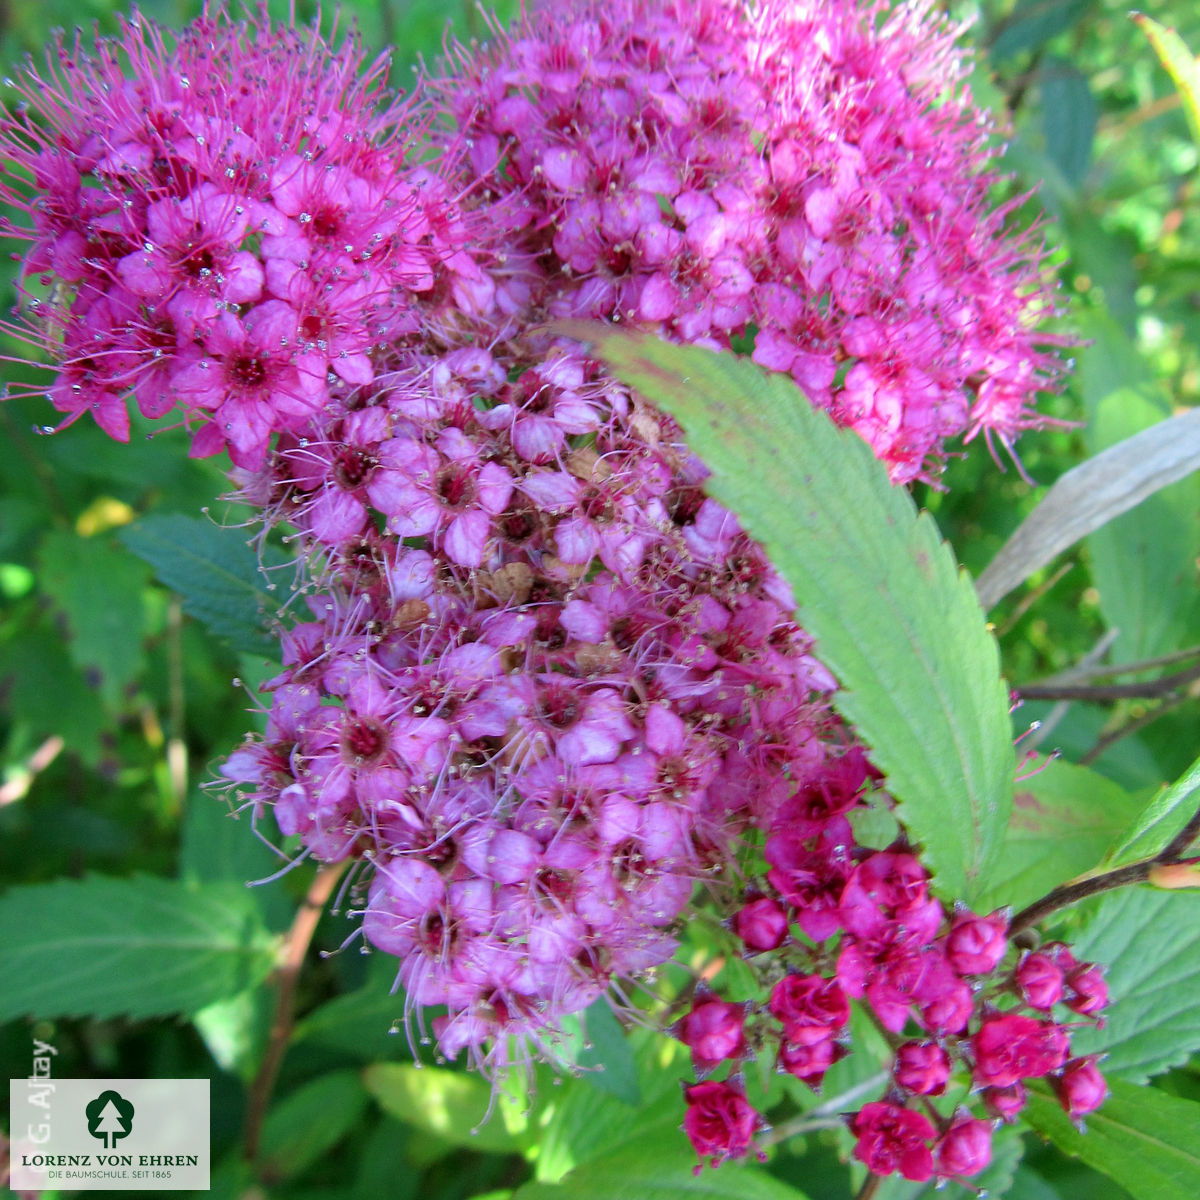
(1139, 872)
(1149, 689)
(296, 947)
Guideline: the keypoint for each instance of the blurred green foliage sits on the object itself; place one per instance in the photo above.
(116, 704)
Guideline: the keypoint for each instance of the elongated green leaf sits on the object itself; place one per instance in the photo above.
(1064, 820)
(457, 1107)
(311, 1121)
(1069, 113)
(1147, 1141)
(1181, 64)
(214, 571)
(1160, 821)
(1150, 941)
(653, 1167)
(894, 619)
(138, 947)
(1144, 560)
(98, 588)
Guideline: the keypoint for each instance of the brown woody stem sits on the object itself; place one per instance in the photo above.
(1139, 872)
(304, 925)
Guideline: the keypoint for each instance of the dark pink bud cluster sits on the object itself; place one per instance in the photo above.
(876, 934)
(227, 223)
(812, 170)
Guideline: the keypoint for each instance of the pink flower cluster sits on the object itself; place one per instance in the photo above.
(545, 684)
(226, 226)
(548, 715)
(937, 984)
(809, 175)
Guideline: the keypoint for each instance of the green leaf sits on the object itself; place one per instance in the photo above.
(236, 1030)
(364, 1023)
(1144, 560)
(310, 1121)
(1147, 1141)
(1029, 1185)
(98, 589)
(653, 1167)
(1181, 65)
(605, 1055)
(219, 844)
(1099, 493)
(1032, 23)
(893, 617)
(1150, 942)
(580, 1122)
(1160, 822)
(69, 708)
(1063, 822)
(459, 1108)
(1069, 116)
(137, 947)
(216, 573)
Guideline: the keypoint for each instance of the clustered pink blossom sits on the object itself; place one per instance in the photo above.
(947, 987)
(226, 224)
(544, 684)
(811, 173)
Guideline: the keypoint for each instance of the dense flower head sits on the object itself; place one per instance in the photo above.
(550, 710)
(811, 173)
(220, 223)
(544, 686)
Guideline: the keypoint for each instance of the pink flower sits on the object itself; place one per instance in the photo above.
(965, 1148)
(445, 490)
(922, 1068)
(761, 923)
(714, 1031)
(809, 1007)
(1081, 1088)
(891, 1138)
(719, 1121)
(1010, 1048)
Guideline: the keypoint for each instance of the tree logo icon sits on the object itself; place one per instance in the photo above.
(109, 1117)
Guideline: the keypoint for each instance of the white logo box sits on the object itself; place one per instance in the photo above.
(109, 1134)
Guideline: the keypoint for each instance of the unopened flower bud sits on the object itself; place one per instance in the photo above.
(713, 1031)
(1040, 980)
(922, 1068)
(1081, 1088)
(809, 1061)
(1086, 981)
(965, 1148)
(976, 944)
(891, 1138)
(719, 1121)
(1005, 1103)
(762, 924)
(809, 1007)
(1011, 1047)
